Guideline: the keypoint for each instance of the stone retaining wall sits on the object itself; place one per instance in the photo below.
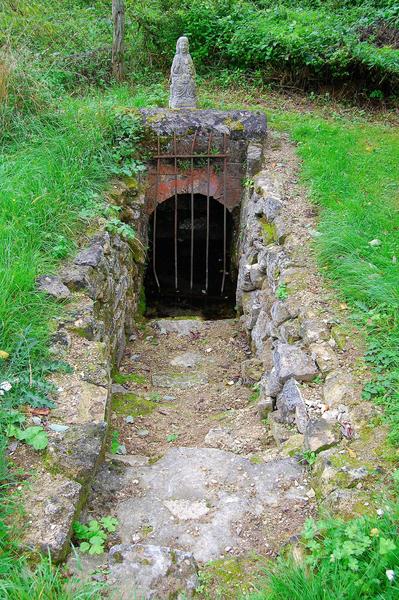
(101, 291)
(309, 391)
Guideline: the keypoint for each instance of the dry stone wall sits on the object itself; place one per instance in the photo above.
(305, 364)
(101, 290)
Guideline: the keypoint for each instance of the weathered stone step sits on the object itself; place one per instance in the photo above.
(207, 501)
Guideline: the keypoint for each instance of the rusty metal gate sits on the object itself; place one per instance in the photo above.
(209, 156)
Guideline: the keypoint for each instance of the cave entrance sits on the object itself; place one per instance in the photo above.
(189, 263)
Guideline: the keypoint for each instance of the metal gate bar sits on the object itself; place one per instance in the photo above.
(207, 215)
(208, 156)
(192, 213)
(154, 240)
(175, 223)
(224, 213)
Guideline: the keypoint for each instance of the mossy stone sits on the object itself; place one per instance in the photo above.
(131, 404)
(269, 231)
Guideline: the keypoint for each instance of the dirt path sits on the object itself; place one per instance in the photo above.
(197, 477)
(191, 386)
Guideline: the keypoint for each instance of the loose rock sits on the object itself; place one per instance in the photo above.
(320, 435)
(150, 571)
(53, 286)
(291, 361)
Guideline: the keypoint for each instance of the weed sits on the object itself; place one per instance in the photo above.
(115, 444)
(93, 537)
(255, 394)
(172, 437)
(308, 457)
(281, 292)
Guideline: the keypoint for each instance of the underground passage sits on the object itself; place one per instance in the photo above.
(189, 263)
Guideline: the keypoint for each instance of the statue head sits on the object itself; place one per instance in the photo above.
(182, 45)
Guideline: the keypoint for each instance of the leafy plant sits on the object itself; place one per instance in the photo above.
(93, 536)
(254, 397)
(118, 227)
(172, 437)
(281, 292)
(114, 447)
(308, 457)
(34, 436)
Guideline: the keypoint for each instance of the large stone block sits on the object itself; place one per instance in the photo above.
(292, 361)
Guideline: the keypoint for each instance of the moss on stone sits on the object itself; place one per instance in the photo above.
(222, 416)
(269, 232)
(256, 460)
(121, 378)
(132, 183)
(338, 333)
(234, 124)
(230, 577)
(156, 118)
(154, 459)
(131, 404)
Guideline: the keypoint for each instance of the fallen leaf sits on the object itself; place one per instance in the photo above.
(41, 412)
(4, 355)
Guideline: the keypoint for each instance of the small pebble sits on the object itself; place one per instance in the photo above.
(121, 449)
(143, 433)
(57, 427)
(36, 420)
(129, 419)
(169, 398)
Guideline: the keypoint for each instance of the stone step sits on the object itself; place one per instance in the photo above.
(207, 501)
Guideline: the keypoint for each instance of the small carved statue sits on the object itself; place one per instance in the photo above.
(182, 89)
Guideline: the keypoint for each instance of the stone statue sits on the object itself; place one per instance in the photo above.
(182, 89)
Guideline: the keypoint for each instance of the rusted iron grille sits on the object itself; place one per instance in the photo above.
(175, 156)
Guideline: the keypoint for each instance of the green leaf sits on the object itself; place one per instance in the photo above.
(84, 547)
(40, 441)
(13, 431)
(97, 540)
(386, 546)
(30, 432)
(109, 523)
(172, 437)
(80, 530)
(94, 525)
(97, 548)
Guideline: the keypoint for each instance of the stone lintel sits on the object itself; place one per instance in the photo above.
(237, 124)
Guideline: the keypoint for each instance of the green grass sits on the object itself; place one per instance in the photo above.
(352, 172)
(341, 561)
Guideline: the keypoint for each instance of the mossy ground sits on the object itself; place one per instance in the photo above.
(122, 378)
(230, 577)
(131, 404)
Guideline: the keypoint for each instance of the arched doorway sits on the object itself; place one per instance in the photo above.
(189, 262)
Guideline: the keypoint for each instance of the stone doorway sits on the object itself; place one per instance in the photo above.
(190, 254)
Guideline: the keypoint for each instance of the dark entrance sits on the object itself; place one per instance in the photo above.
(189, 266)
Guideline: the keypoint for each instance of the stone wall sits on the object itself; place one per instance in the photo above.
(307, 368)
(101, 291)
(291, 335)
